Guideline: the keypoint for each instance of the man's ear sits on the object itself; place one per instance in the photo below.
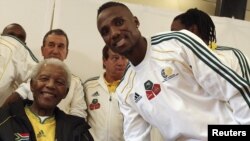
(42, 47)
(136, 21)
(194, 29)
(67, 52)
(31, 85)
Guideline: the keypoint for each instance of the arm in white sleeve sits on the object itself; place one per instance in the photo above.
(78, 105)
(217, 79)
(239, 61)
(24, 61)
(15, 66)
(24, 91)
(244, 64)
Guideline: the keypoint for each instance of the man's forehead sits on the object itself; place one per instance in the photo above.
(48, 67)
(112, 54)
(115, 10)
(56, 38)
(108, 15)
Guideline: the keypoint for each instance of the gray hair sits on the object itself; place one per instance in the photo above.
(51, 61)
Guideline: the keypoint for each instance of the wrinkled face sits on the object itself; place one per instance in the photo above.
(177, 25)
(55, 47)
(49, 87)
(119, 29)
(115, 65)
(16, 31)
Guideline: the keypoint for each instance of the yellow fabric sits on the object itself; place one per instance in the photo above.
(212, 45)
(112, 86)
(44, 131)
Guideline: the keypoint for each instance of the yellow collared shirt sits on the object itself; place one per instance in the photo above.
(112, 86)
(44, 130)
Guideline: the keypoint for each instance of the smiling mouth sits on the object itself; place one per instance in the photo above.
(54, 56)
(120, 43)
(47, 94)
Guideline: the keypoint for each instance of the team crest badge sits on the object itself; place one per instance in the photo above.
(94, 105)
(152, 89)
(167, 73)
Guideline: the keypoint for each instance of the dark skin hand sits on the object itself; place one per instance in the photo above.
(12, 98)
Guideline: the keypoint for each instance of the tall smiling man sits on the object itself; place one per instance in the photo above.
(174, 82)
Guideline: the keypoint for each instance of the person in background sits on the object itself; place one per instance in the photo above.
(40, 119)
(17, 60)
(201, 24)
(16, 30)
(172, 82)
(55, 45)
(104, 115)
(16, 65)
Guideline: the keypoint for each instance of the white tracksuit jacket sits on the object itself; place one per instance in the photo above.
(231, 57)
(73, 104)
(16, 63)
(104, 115)
(234, 59)
(180, 87)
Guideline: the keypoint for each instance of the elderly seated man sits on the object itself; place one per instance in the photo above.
(41, 119)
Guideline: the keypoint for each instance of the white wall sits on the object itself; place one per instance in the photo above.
(34, 16)
(78, 19)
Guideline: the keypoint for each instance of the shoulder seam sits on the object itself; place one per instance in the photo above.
(90, 79)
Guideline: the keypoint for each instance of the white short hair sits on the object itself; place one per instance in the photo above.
(52, 61)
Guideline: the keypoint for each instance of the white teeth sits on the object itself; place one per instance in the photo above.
(48, 94)
(120, 43)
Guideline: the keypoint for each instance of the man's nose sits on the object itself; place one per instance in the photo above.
(115, 33)
(121, 62)
(55, 49)
(50, 83)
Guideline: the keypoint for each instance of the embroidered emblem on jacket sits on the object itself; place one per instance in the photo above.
(94, 105)
(137, 97)
(167, 73)
(22, 136)
(152, 89)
